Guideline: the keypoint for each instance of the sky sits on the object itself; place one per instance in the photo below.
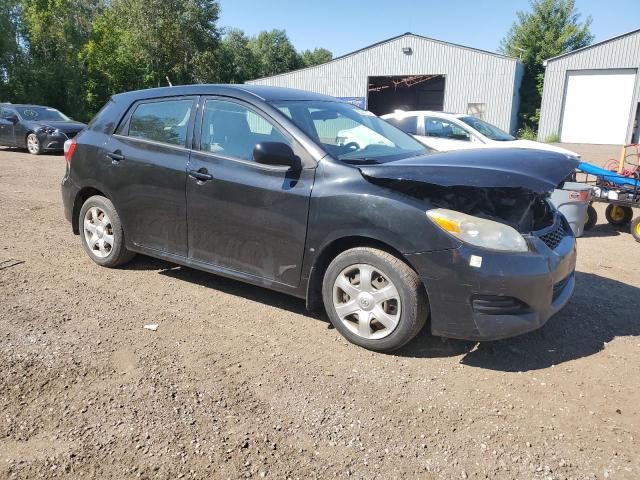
(343, 26)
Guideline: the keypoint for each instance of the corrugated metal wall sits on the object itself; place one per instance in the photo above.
(617, 53)
(472, 76)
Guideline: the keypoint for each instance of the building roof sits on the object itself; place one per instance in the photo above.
(407, 34)
(599, 44)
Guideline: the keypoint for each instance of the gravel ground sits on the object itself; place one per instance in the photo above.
(241, 382)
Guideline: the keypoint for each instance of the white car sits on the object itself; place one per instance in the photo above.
(456, 131)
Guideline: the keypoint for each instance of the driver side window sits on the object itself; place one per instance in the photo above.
(233, 130)
(440, 128)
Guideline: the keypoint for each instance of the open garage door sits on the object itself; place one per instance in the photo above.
(416, 92)
(597, 106)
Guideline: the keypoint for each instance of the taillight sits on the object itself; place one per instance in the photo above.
(69, 148)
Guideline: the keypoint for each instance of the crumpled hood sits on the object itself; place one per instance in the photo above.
(535, 170)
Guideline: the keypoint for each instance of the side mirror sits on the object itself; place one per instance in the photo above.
(275, 153)
(11, 118)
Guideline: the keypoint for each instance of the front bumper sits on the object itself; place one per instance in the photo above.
(53, 142)
(507, 295)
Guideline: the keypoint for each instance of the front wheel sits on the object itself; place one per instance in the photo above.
(33, 144)
(374, 299)
(101, 233)
(592, 218)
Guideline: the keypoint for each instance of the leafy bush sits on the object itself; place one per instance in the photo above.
(527, 133)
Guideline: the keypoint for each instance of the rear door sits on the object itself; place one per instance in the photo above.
(144, 169)
(6, 128)
(244, 216)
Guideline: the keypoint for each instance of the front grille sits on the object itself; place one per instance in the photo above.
(553, 238)
(498, 305)
(559, 287)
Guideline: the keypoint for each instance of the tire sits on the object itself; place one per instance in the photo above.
(33, 144)
(618, 215)
(635, 228)
(402, 314)
(101, 233)
(592, 218)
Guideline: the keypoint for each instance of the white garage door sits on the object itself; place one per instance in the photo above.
(597, 106)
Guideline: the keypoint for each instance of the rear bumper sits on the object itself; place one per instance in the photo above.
(69, 191)
(508, 295)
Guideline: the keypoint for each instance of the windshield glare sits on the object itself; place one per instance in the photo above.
(349, 133)
(41, 113)
(490, 131)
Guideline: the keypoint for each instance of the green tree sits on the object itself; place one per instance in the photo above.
(146, 43)
(315, 56)
(553, 27)
(237, 60)
(275, 53)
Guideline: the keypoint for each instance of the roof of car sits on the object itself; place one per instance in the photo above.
(6, 104)
(262, 92)
(403, 113)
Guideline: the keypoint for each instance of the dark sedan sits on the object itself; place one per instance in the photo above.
(254, 183)
(38, 129)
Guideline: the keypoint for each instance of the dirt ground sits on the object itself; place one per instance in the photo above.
(241, 382)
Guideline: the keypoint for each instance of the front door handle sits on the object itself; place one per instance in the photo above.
(201, 175)
(115, 156)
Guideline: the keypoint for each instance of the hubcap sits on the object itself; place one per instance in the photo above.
(617, 213)
(638, 229)
(98, 232)
(32, 143)
(366, 301)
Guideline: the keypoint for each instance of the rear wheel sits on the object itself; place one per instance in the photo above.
(592, 218)
(33, 144)
(101, 233)
(635, 228)
(374, 299)
(618, 215)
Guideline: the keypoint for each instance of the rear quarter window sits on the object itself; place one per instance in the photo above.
(164, 121)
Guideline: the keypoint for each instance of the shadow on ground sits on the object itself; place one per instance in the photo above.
(600, 310)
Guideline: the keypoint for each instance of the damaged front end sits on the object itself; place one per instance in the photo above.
(507, 186)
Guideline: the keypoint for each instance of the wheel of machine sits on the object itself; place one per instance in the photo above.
(33, 144)
(592, 218)
(635, 228)
(374, 299)
(618, 215)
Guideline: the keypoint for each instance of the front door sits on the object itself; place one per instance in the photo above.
(244, 216)
(144, 169)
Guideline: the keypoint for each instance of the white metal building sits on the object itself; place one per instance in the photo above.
(592, 95)
(418, 73)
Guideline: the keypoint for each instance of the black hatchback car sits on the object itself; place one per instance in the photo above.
(34, 127)
(258, 184)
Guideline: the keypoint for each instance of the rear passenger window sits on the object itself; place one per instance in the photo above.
(233, 130)
(165, 121)
(406, 124)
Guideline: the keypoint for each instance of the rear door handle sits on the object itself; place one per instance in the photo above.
(202, 175)
(115, 156)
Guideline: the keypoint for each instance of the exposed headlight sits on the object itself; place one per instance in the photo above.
(478, 231)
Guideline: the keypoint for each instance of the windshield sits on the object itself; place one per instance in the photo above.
(349, 133)
(490, 131)
(41, 113)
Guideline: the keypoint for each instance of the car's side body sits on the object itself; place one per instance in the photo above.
(444, 131)
(280, 227)
(14, 129)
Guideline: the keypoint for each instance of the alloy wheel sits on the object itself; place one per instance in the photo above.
(33, 144)
(366, 301)
(98, 232)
